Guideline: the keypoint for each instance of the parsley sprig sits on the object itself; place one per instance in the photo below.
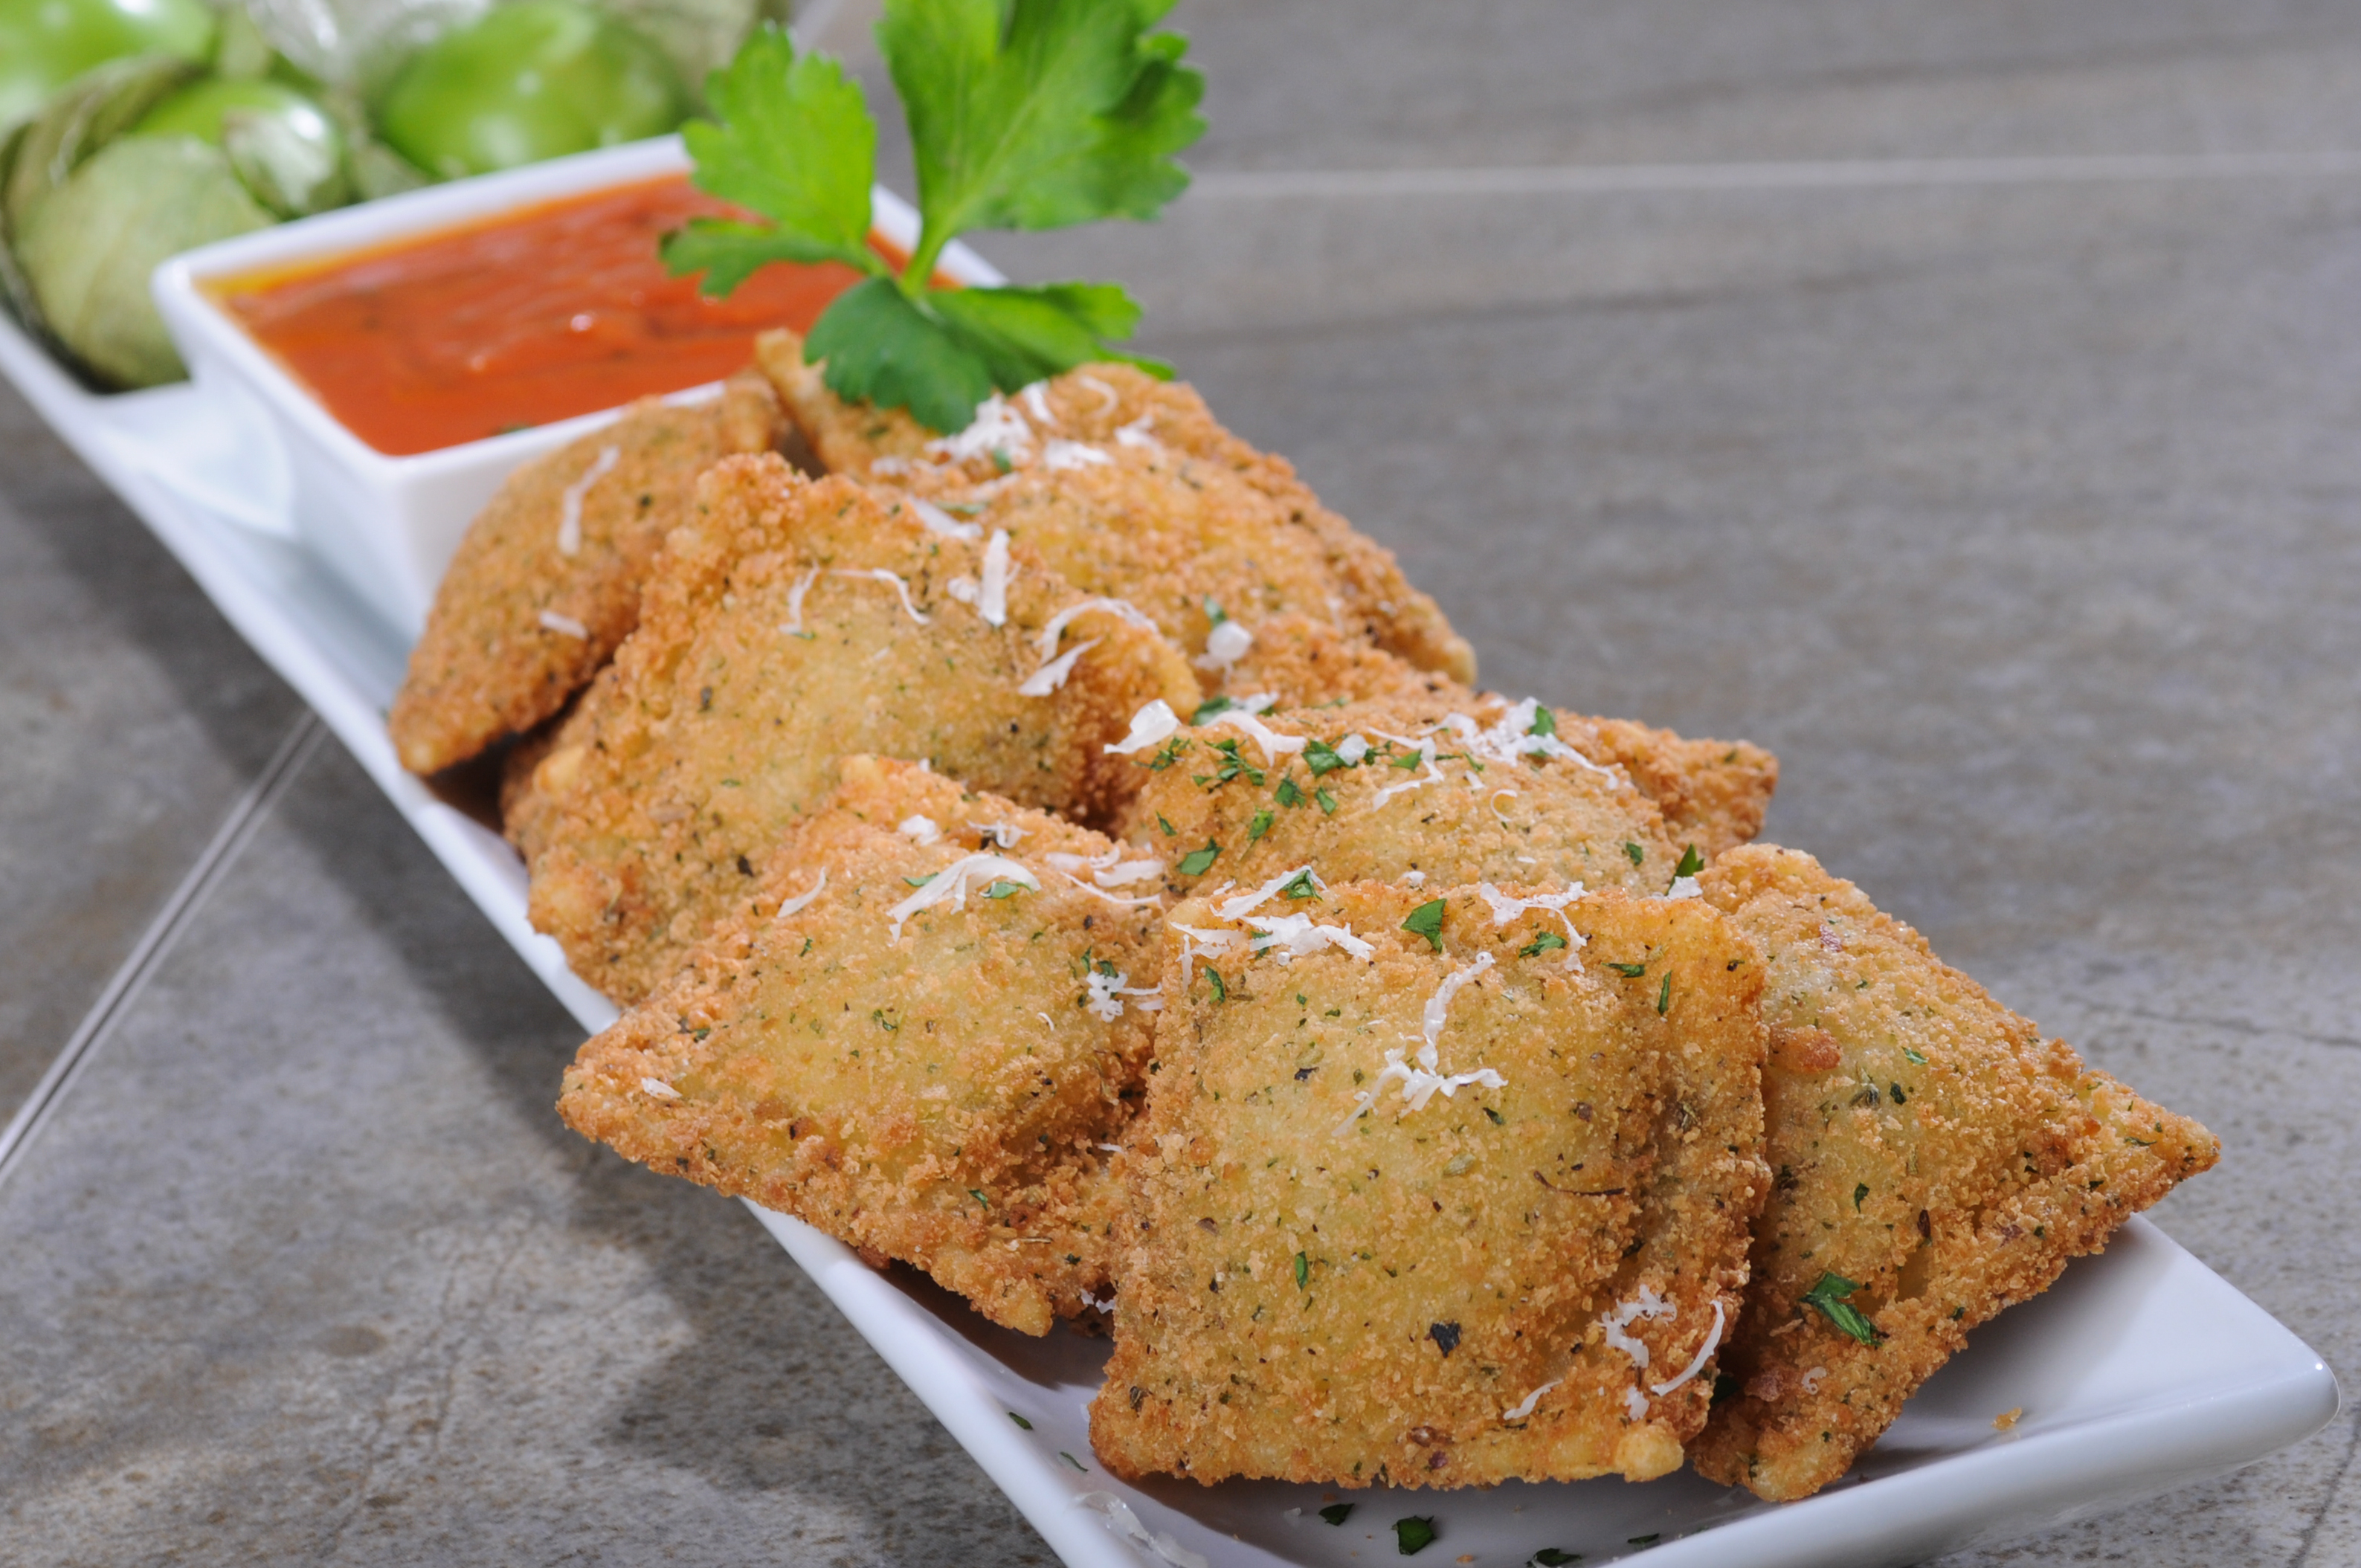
(1023, 114)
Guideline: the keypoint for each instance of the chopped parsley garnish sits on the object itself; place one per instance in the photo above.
(977, 1193)
(1539, 945)
(1020, 1420)
(1829, 1295)
(1413, 1535)
(1914, 1056)
(1004, 889)
(1544, 721)
(1691, 862)
(1170, 831)
(1628, 971)
(1232, 766)
(1859, 1193)
(1338, 1513)
(1074, 1461)
(1166, 754)
(1407, 760)
(1214, 610)
(1327, 802)
(1639, 856)
(1664, 996)
(1895, 1090)
(1197, 863)
(1212, 707)
(1322, 758)
(1220, 991)
(1300, 886)
(1551, 1557)
(1038, 114)
(878, 1016)
(1258, 826)
(1426, 921)
(917, 881)
(1303, 1271)
(1645, 1540)
(1287, 794)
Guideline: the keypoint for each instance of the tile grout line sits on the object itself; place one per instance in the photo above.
(237, 829)
(1863, 173)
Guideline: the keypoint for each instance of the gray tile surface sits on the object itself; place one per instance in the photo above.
(2020, 519)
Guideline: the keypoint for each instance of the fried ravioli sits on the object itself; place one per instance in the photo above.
(545, 584)
(1937, 1160)
(1160, 438)
(788, 623)
(1435, 1208)
(1397, 787)
(926, 1075)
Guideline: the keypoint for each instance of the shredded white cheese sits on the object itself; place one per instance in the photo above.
(1105, 994)
(1118, 901)
(1045, 641)
(950, 883)
(1432, 774)
(995, 428)
(1038, 403)
(1136, 432)
(1352, 748)
(890, 466)
(937, 520)
(1057, 453)
(1647, 1304)
(659, 1088)
(1007, 835)
(1508, 737)
(920, 829)
(1684, 887)
(880, 575)
(1122, 1521)
(992, 598)
(1151, 726)
(1208, 940)
(1274, 745)
(1108, 401)
(1225, 646)
(1231, 908)
(1051, 676)
(564, 625)
(802, 901)
(570, 499)
(1635, 1404)
(1526, 1406)
(793, 625)
(1414, 879)
(1506, 908)
(1290, 937)
(1812, 1379)
(1704, 1355)
(1110, 869)
(1420, 1082)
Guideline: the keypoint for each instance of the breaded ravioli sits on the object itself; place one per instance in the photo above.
(1407, 786)
(788, 623)
(1440, 1206)
(917, 1037)
(1713, 794)
(1161, 435)
(546, 582)
(1935, 1161)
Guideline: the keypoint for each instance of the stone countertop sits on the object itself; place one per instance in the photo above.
(2016, 504)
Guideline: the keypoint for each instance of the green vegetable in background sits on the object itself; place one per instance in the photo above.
(283, 145)
(88, 246)
(1023, 113)
(534, 79)
(99, 106)
(44, 44)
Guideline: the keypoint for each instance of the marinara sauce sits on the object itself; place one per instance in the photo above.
(532, 317)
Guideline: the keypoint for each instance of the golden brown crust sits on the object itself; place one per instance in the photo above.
(487, 664)
(1094, 406)
(1546, 821)
(1931, 1148)
(1713, 794)
(725, 711)
(937, 1097)
(1321, 1288)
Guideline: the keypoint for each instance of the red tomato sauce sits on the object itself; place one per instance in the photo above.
(520, 320)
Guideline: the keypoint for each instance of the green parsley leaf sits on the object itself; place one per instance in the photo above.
(1426, 921)
(1664, 996)
(1170, 831)
(1074, 1461)
(1300, 886)
(1303, 1271)
(1327, 802)
(1338, 1513)
(1544, 721)
(1288, 793)
(1859, 1193)
(1829, 1295)
(1214, 610)
(1322, 758)
(1551, 1557)
(1258, 826)
(1645, 1540)
(1914, 1056)
(1220, 991)
(1628, 971)
(1197, 863)
(882, 347)
(916, 880)
(1210, 708)
(977, 1193)
(1540, 944)
(1691, 862)
(1639, 856)
(1004, 889)
(1020, 1420)
(878, 1016)
(1407, 760)
(1413, 1535)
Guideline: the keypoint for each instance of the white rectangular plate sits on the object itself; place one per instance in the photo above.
(2140, 1371)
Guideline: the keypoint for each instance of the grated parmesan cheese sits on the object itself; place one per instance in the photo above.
(1684, 887)
(1506, 908)
(570, 499)
(1151, 726)
(1136, 434)
(1108, 401)
(1420, 1082)
(1109, 870)
(937, 520)
(659, 1088)
(1105, 994)
(950, 883)
(880, 575)
(1510, 738)
(1225, 646)
(1291, 937)
(1274, 744)
(1426, 759)
(1051, 676)
(1122, 1521)
(1526, 1406)
(1045, 641)
(1647, 1304)
(992, 595)
(1231, 908)
(802, 901)
(1352, 748)
(1704, 1355)
(920, 829)
(1057, 454)
(995, 428)
(1210, 941)
(564, 625)
(1007, 835)
(1038, 403)
(793, 625)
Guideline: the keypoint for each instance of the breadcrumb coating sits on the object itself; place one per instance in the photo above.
(545, 584)
(1935, 1156)
(1518, 1267)
(933, 1089)
(788, 623)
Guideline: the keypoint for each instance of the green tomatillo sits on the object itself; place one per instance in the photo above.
(284, 147)
(534, 79)
(44, 44)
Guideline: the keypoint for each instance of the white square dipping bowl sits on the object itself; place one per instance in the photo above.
(387, 525)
